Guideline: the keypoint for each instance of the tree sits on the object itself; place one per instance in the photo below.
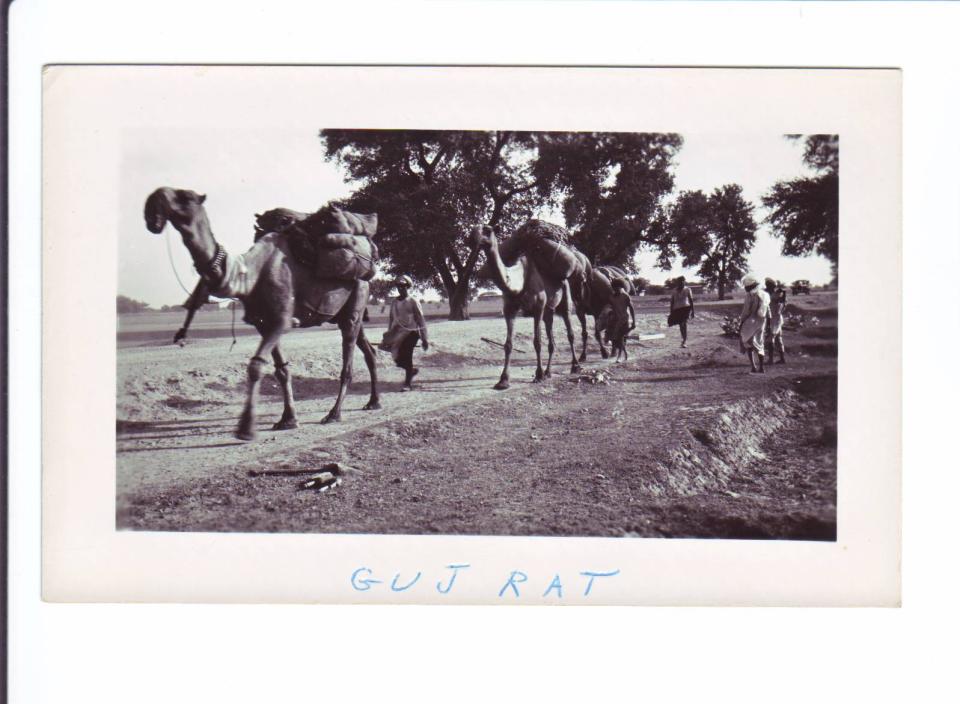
(381, 290)
(129, 305)
(805, 212)
(611, 186)
(713, 232)
(428, 188)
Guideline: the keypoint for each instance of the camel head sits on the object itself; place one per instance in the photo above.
(484, 237)
(180, 208)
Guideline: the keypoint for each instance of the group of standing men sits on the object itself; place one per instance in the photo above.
(762, 311)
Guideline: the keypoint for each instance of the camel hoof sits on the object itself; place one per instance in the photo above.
(286, 424)
(574, 368)
(502, 384)
(243, 434)
(330, 418)
(373, 406)
(547, 374)
(583, 357)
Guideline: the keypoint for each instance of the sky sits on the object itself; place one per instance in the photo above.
(245, 171)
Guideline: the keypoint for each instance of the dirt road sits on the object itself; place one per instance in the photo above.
(673, 443)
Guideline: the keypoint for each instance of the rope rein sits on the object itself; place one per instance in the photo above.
(172, 265)
(233, 323)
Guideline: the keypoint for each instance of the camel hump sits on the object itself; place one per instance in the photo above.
(612, 273)
(548, 246)
(543, 230)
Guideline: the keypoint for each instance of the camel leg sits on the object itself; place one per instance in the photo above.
(370, 357)
(548, 324)
(582, 316)
(565, 314)
(349, 331)
(509, 314)
(269, 340)
(199, 296)
(537, 318)
(288, 421)
(596, 334)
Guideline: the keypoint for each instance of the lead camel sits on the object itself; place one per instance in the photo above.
(273, 287)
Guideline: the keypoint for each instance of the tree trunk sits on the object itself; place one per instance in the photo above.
(460, 293)
(721, 290)
(459, 305)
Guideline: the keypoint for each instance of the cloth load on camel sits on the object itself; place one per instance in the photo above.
(548, 245)
(336, 244)
(276, 220)
(333, 219)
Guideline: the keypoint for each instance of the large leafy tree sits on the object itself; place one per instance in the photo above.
(714, 232)
(805, 211)
(610, 186)
(429, 187)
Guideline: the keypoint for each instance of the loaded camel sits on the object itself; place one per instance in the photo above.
(274, 285)
(544, 291)
(591, 293)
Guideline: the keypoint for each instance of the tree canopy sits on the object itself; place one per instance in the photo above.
(610, 186)
(430, 187)
(804, 211)
(715, 233)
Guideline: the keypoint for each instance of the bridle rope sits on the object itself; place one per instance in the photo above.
(173, 266)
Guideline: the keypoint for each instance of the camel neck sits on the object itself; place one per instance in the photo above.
(200, 242)
(499, 271)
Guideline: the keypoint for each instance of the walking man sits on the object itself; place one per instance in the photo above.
(406, 327)
(681, 308)
(623, 319)
(778, 302)
(753, 322)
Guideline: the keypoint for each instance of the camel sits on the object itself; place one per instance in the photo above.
(273, 287)
(590, 294)
(542, 294)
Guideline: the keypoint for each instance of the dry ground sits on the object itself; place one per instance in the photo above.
(677, 443)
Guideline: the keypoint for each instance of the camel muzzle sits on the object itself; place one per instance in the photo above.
(154, 211)
(156, 225)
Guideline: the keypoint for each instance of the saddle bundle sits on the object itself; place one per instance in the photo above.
(547, 245)
(335, 244)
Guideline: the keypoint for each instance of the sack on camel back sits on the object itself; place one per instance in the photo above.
(546, 244)
(336, 244)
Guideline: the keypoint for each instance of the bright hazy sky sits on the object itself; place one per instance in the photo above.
(246, 171)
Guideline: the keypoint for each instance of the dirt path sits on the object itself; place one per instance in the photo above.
(178, 409)
(455, 456)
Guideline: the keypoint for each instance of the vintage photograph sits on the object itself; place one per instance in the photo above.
(492, 332)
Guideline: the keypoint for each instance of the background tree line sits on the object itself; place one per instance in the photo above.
(615, 191)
